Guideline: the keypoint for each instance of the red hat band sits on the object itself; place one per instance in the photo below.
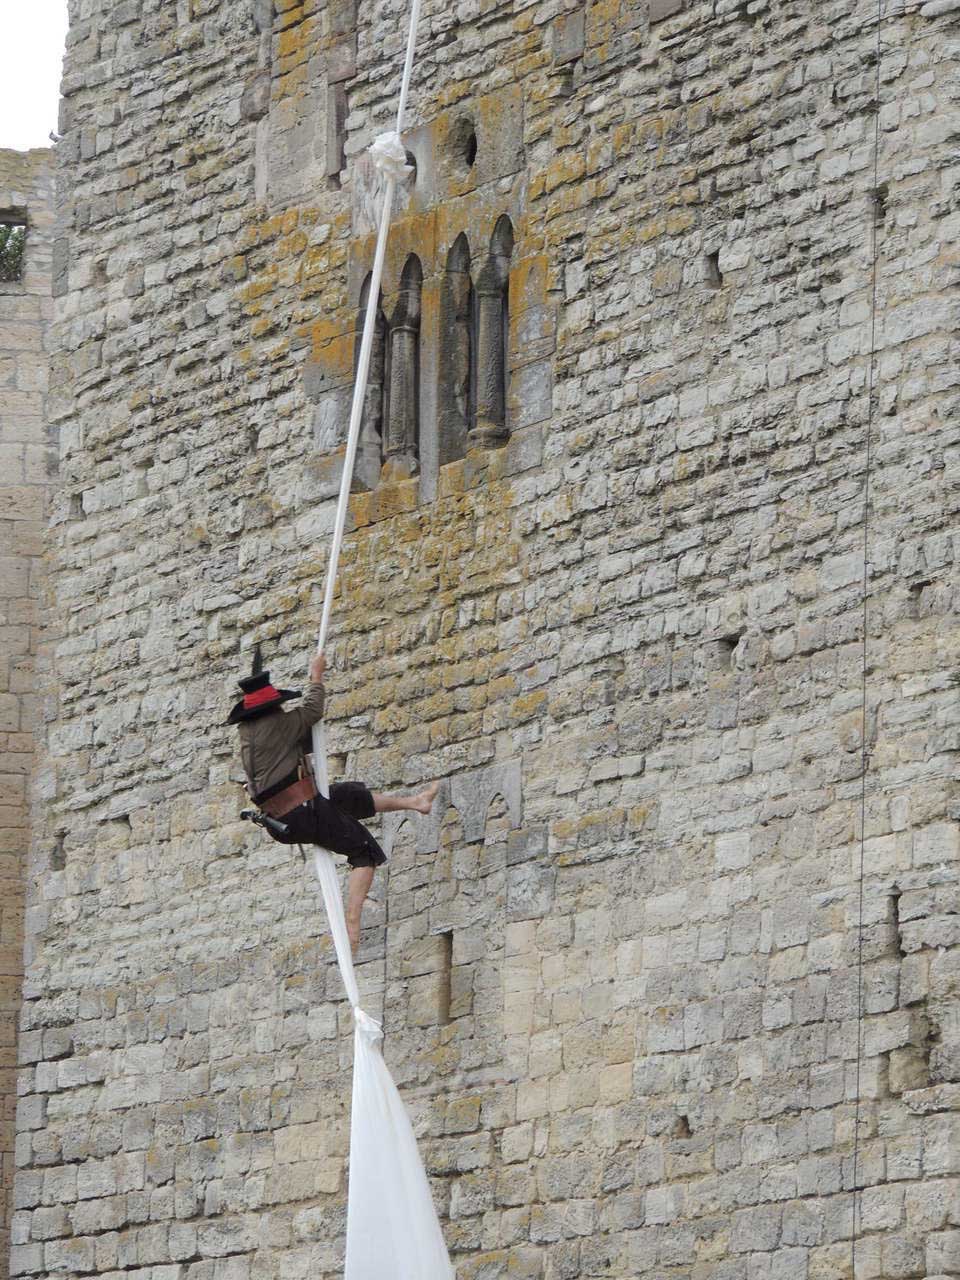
(256, 699)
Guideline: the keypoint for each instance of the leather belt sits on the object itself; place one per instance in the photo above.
(289, 798)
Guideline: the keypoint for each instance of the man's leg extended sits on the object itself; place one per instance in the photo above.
(422, 802)
(340, 820)
(358, 886)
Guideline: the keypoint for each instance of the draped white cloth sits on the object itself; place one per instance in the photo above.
(393, 1232)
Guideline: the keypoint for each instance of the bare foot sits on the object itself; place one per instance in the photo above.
(423, 802)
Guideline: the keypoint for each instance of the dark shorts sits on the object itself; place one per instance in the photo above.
(334, 824)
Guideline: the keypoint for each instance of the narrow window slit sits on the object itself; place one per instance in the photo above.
(446, 974)
(894, 903)
(712, 272)
(337, 111)
(726, 647)
(880, 197)
(58, 856)
(463, 140)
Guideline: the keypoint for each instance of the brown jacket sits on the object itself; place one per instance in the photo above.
(271, 745)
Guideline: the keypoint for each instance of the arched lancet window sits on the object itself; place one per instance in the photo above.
(402, 436)
(457, 400)
(493, 332)
(370, 446)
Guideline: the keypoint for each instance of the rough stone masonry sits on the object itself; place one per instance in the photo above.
(605, 579)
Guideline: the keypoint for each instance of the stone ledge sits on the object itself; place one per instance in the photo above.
(940, 1097)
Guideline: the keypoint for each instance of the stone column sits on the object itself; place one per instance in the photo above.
(403, 401)
(401, 443)
(456, 343)
(370, 445)
(491, 424)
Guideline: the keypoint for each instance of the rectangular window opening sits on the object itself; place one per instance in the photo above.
(712, 273)
(13, 236)
(726, 649)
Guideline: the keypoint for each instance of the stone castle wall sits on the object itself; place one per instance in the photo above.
(28, 469)
(620, 973)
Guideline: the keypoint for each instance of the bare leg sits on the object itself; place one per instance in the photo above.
(358, 886)
(422, 802)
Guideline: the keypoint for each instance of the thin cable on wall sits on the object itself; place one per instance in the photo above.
(864, 753)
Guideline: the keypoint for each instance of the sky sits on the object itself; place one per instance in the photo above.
(31, 60)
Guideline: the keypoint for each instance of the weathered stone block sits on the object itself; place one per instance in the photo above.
(428, 1000)
(263, 14)
(426, 955)
(567, 32)
(255, 102)
(530, 891)
(341, 60)
(937, 843)
(342, 15)
(531, 394)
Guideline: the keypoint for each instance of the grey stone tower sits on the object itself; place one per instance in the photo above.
(670, 984)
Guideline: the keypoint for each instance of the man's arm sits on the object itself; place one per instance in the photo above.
(310, 709)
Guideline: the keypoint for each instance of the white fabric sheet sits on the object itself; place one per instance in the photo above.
(393, 1232)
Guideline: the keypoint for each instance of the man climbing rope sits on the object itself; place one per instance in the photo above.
(274, 746)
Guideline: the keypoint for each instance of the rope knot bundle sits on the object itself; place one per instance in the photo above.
(368, 1027)
(390, 157)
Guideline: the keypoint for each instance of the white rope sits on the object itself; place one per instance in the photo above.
(390, 158)
(393, 1232)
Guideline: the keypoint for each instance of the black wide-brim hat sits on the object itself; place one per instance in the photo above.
(259, 697)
